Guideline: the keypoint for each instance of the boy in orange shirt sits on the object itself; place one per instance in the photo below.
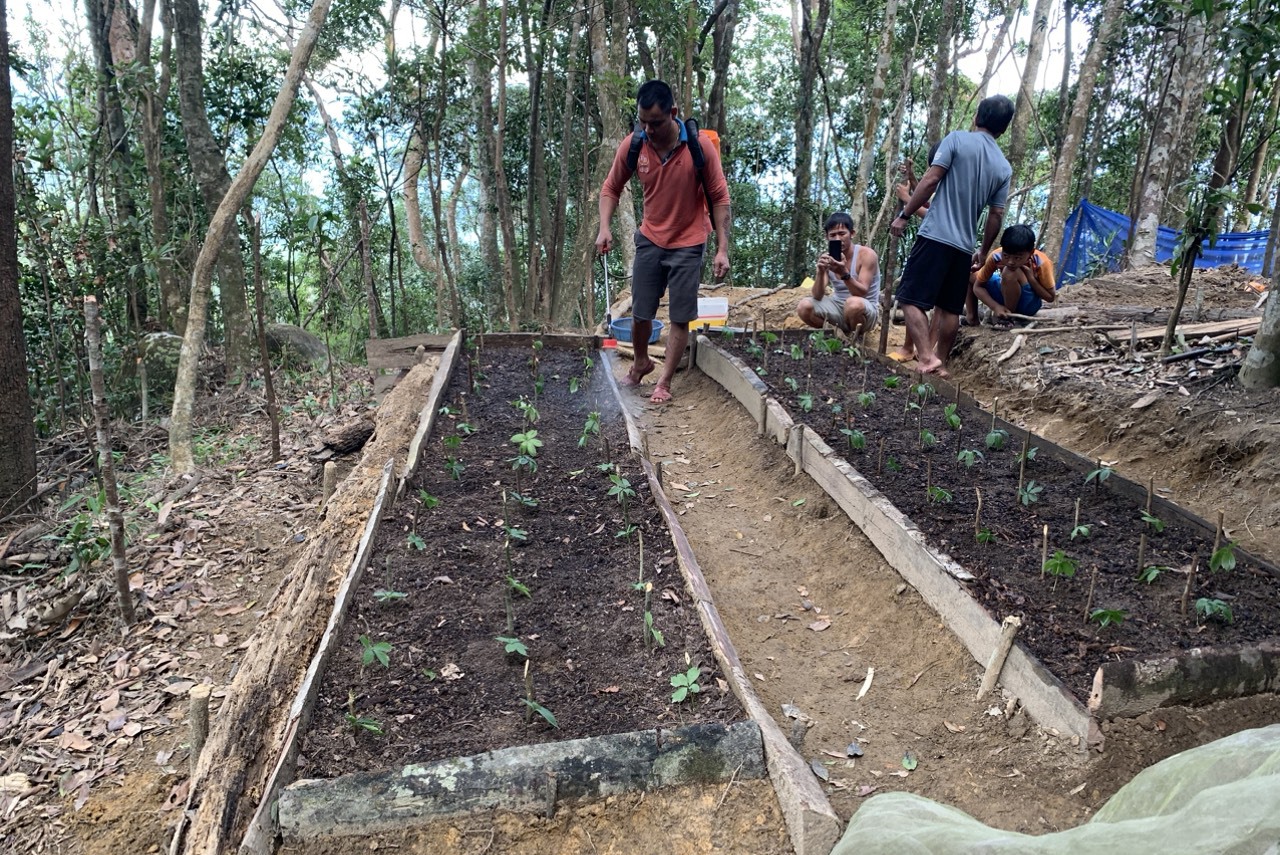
(1016, 278)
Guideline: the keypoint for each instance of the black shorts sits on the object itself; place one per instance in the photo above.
(935, 275)
(658, 271)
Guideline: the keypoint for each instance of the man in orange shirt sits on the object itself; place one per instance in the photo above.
(1017, 277)
(673, 234)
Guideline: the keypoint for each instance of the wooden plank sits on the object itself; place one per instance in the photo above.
(608, 361)
(1243, 325)
(383, 383)
(811, 821)
(260, 836)
(1199, 676)
(527, 778)
(383, 347)
(444, 373)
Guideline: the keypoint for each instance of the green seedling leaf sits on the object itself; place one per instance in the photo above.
(1214, 609)
(428, 501)
(1059, 564)
(909, 762)
(1081, 530)
(513, 645)
(542, 711)
(970, 457)
(857, 440)
(1098, 475)
(892, 381)
(388, 596)
(791, 382)
(1030, 493)
(806, 402)
(416, 542)
(1153, 521)
(1107, 617)
(372, 651)
(985, 536)
(996, 439)
(797, 503)
(519, 587)
(1150, 574)
(1223, 559)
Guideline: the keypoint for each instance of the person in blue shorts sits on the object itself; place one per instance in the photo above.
(1017, 278)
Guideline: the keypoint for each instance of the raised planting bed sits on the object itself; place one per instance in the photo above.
(523, 591)
(930, 451)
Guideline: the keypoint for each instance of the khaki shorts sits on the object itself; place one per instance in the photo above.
(831, 309)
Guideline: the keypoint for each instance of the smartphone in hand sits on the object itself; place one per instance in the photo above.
(835, 248)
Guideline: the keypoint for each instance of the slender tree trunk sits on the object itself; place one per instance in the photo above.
(153, 96)
(999, 44)
(17, 417)
(1243, 214)
(941, 73)
(254, 224)
(608, 38)
(1269, 266)
(1064, 85)
(722, 51)
(1142, 250)
(537, 211)
(220, 228)
(119, 155)
(418, 250)
(506, 212)
(803, 220)
(871, 124)
(1025, 107)
(106, 460)
(487, 220)
(555, 310)
(210, 169)
(1060, 189)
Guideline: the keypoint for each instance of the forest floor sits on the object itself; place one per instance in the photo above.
(94, 757)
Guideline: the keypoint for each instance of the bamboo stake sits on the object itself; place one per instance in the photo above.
(977, 516)
(1088, 603)
(1191, 579)
(1217, 538)
(799, 432)
(928, 477)
(1022, 465)
(199, 698)
(1075, 524)
(1044, 551)
(1008, 629)
(1142, 551)
(330, 483)
(880, 458)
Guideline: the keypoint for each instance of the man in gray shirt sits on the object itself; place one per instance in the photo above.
(967, 174)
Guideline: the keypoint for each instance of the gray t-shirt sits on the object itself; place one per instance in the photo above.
(977, 177)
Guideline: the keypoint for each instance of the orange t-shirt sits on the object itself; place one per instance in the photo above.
(1039, 262)
(675, 207)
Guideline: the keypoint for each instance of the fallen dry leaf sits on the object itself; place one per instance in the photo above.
(230, 610)
(220, 640)
(820, 625)
(865, 790)
(759, 676)
(74, 742)
(954, 728)
(110, 702)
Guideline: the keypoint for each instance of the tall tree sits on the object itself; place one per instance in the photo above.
(871, 119)
(941, 72)
(17, 419)
(220, 228)
(1060, 185)
(814, 15)
(209, 165)
(1261, 368)
(1142, 250)
(1025, 107)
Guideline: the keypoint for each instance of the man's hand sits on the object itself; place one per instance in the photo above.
(604, 240)
(1001, 312)
(898, 226)
(720, 267)
(827, 263)
(979, 259)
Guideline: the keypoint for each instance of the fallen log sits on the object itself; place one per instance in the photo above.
(1200, 676)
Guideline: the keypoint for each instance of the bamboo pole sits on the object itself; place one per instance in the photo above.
(1008, 629)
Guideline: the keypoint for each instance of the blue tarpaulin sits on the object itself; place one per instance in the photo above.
(1095, 239)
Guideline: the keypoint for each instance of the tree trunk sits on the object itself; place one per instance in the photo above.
(210, 171)
(721, 52)
(1244, 216)
(1064, 85)
(104, 17)
(555, 310)
(106, 460)
(1025, 107)
(1269, 266)
(1142, 251)
(17, 418)
(941, 73)
(871, 107)
(609, 60)
(154, 94)
(1005, 12)
(1060, 189)
(1198, 75)
(803, 220)
(422, 256)
(220, 227)
(1261, 368)
(487, 220)
(506, 213)
(537, 210)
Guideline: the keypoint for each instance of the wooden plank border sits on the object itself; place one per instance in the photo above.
(427, 418)
(933, 575)
(811, 821)
(259, 838)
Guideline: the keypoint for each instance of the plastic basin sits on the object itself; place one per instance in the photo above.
(621, 330)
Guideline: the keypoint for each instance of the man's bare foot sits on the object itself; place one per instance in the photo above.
(935, 369)
(634, 376)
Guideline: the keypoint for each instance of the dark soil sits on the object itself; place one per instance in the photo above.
(449, 689)
(1008, 572)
